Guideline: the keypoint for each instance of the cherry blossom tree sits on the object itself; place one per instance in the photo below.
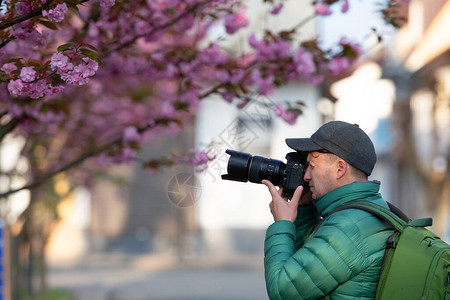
(96, 80)
(120, 74)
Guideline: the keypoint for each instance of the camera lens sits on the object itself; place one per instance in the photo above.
(245, 167)
(266, 168)
(238, 166)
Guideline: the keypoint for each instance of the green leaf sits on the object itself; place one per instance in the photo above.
(288, 35)
(34, 62)
(300, 103)
(181, 106)
(3, 76)
(64, 47)
(90, 54)
(73, 2)
(90, 46)
(73, 6)
(16, 60)
(48, 24)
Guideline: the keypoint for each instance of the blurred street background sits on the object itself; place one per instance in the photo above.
(124, 276)
(180, 234)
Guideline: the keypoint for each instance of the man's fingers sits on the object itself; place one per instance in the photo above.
(297, 194)
(270, 186)
(280, 191)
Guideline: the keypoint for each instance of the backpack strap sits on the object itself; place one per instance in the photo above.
(378, 211)
(393, 216)
(397, 211)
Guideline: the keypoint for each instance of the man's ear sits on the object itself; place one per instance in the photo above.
(341, 168)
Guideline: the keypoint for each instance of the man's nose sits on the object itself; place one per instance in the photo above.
(307, 176)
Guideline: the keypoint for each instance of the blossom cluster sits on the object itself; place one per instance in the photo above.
(234, 22)
(27, 32)
(27, 83)
(36, 113)
(322, 7)
(288, 115)
(194, 158)
(107, 3)
(34, 84)
(73, 72)
(56, 14)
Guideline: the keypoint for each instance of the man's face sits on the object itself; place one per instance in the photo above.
(319, 174)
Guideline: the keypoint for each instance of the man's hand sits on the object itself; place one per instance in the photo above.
(280, 207)
(306, 198)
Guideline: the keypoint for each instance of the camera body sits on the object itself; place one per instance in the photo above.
(244, 167)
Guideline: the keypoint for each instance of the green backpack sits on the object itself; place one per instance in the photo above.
(416, 263)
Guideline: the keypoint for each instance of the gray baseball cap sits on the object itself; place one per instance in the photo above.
(346, 140)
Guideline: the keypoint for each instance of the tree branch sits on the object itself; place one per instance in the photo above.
(7, 128)
(154, 30)
(80, 159)
(304, 21)
(4, 43)
(35, 12)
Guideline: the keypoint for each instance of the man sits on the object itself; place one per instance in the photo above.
(342, 257)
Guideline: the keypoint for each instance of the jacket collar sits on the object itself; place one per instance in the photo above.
(354, 191)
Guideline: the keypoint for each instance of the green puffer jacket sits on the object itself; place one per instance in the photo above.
(343, 259)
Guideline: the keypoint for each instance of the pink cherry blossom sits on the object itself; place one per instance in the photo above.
(27, 74)
(345, 6)
(237, 76)
(213, 55)
(254, 42)
(276, 9)
(198, 159)
(221, 75)
(228, 96)
(56, 14)
(234, 22)
(264, 84)
(289, 116)
(74, 74)
(322, 9)
(131, 135)
(190, 98)
(9, 67)
(60, 63)
(338, 65)
(304, 62)
(107, 3)
(22, 7)
(316, 79)
(266, 51)
(86, 68)
(38, 89)
(26, 31)
(15, 87)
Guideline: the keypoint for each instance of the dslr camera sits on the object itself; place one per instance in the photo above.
(244, 167)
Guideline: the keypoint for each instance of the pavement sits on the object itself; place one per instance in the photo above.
(119, 276)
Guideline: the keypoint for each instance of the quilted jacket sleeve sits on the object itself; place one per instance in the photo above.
(331, 257)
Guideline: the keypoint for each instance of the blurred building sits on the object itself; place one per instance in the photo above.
(400, 95)
(420, 70)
